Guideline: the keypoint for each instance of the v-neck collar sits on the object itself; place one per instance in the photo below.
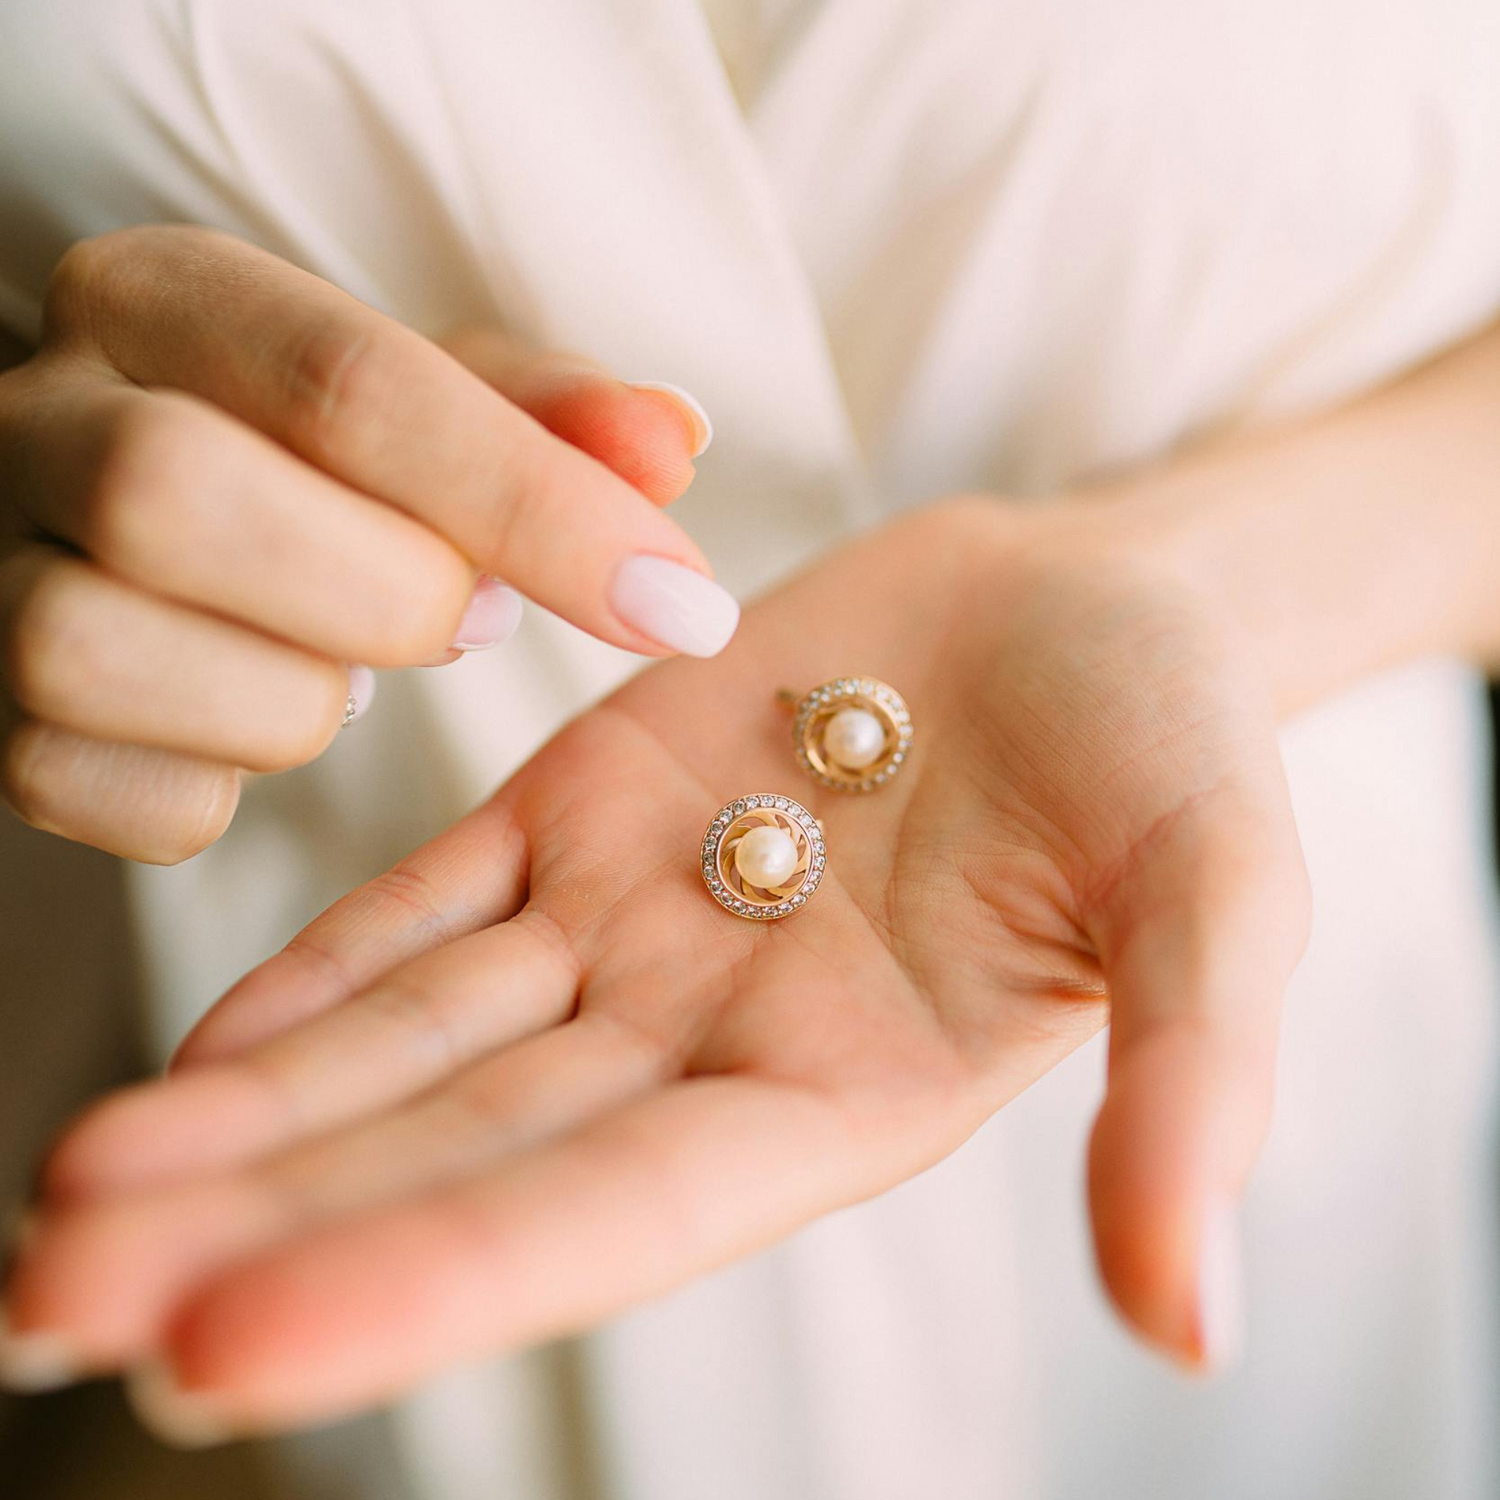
(638, 185)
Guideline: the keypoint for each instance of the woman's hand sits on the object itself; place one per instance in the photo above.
(222, 480)
(535, 1074)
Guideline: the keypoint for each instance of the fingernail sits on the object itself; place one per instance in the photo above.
(673, 605)
(182, 1419)
(34, 1362)
(493, 612)
(1221, 1286)
(361, 694)
(703, 429)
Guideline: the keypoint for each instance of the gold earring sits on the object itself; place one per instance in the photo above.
(763, 856)
(852, 734)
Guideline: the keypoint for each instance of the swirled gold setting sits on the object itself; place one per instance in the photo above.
(725, 882)
(817, 709)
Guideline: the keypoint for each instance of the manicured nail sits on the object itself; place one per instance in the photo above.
(1221, 1286)
(673, 605)
(493, 612)
(34, 1362)
(179, 1418)
(703, 429)
(361, 694)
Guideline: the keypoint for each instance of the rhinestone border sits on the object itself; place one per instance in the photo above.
(720, 825)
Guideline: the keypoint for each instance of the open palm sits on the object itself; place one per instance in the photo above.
(535, 1074)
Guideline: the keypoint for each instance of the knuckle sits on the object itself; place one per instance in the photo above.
(341, 386)
(417, 1016)
(105, 272)
(406, 896)
(537, 495)
(80, 282)
(149, 466)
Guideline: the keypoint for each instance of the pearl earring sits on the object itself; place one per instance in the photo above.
(852, 734)
(763, 856)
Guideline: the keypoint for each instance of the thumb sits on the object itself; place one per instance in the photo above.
(648, 432)
(1198, 938)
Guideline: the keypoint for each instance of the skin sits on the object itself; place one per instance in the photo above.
(224, 479)
(575, 1046)
(534, 1075)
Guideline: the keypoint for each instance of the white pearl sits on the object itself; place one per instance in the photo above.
(853, 738)
(765, 857)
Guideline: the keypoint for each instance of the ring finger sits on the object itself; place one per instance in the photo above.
(91, 654)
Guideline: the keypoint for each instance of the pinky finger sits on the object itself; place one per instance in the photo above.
(156, 806)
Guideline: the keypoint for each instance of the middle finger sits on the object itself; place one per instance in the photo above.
(174, 495)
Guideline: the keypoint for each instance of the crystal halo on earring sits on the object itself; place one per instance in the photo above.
(763, 856)
(852, 734)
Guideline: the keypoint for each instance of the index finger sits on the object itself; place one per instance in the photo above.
(384, 409)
